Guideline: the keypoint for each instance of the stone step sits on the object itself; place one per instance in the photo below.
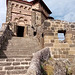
(24, 56)
(32, 48)
(22, 49)
(18, 72)
(14, 66)
(16, 53)
(14, 61)
(22, 39)
(23, 45)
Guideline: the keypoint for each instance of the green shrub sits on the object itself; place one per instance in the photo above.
(49, 69)
(68, 71)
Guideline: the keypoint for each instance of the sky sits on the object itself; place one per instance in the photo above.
(61, 9)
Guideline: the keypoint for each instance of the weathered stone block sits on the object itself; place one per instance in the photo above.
(19, 67)
(71, 52)
(9, 68)
(16, 63)
(2, 72)
(56, 56)
(48, 44)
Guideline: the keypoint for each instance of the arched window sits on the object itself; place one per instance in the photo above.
(16, 19)
(21, 18)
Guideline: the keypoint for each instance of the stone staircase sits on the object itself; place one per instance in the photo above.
(15, 56)
(20, 47)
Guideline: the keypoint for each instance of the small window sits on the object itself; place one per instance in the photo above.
(42, 35)
(20, 12)
(61, 35)
(29, 8)
(16, 5)
(12, 4)
(21, 6)
(25, 7)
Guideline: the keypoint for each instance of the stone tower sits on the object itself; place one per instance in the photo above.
(26, 15)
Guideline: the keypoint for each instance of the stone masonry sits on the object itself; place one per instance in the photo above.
(58, 47)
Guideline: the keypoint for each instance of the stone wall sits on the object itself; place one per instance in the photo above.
(35, 66)
(59, 48)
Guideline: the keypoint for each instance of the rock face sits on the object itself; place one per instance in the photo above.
(35, 66)
(60, 67)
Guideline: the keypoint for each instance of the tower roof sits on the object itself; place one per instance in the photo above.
(42, 4)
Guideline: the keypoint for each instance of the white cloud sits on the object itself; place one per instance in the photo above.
(70, 17)
(62, 8)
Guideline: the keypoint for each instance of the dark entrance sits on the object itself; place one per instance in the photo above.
(20, 31)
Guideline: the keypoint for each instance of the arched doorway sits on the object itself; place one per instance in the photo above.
(20, 31)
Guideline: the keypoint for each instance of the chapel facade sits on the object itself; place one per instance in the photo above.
(27, 15)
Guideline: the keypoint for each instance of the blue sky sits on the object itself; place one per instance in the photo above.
(61, 9)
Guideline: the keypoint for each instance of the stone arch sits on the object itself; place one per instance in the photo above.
(21, 18)
(21, 23)
(16, 19)
(21, 6)
(25, 20)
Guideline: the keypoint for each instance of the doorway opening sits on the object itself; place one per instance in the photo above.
(20, 31)
(35, 33)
